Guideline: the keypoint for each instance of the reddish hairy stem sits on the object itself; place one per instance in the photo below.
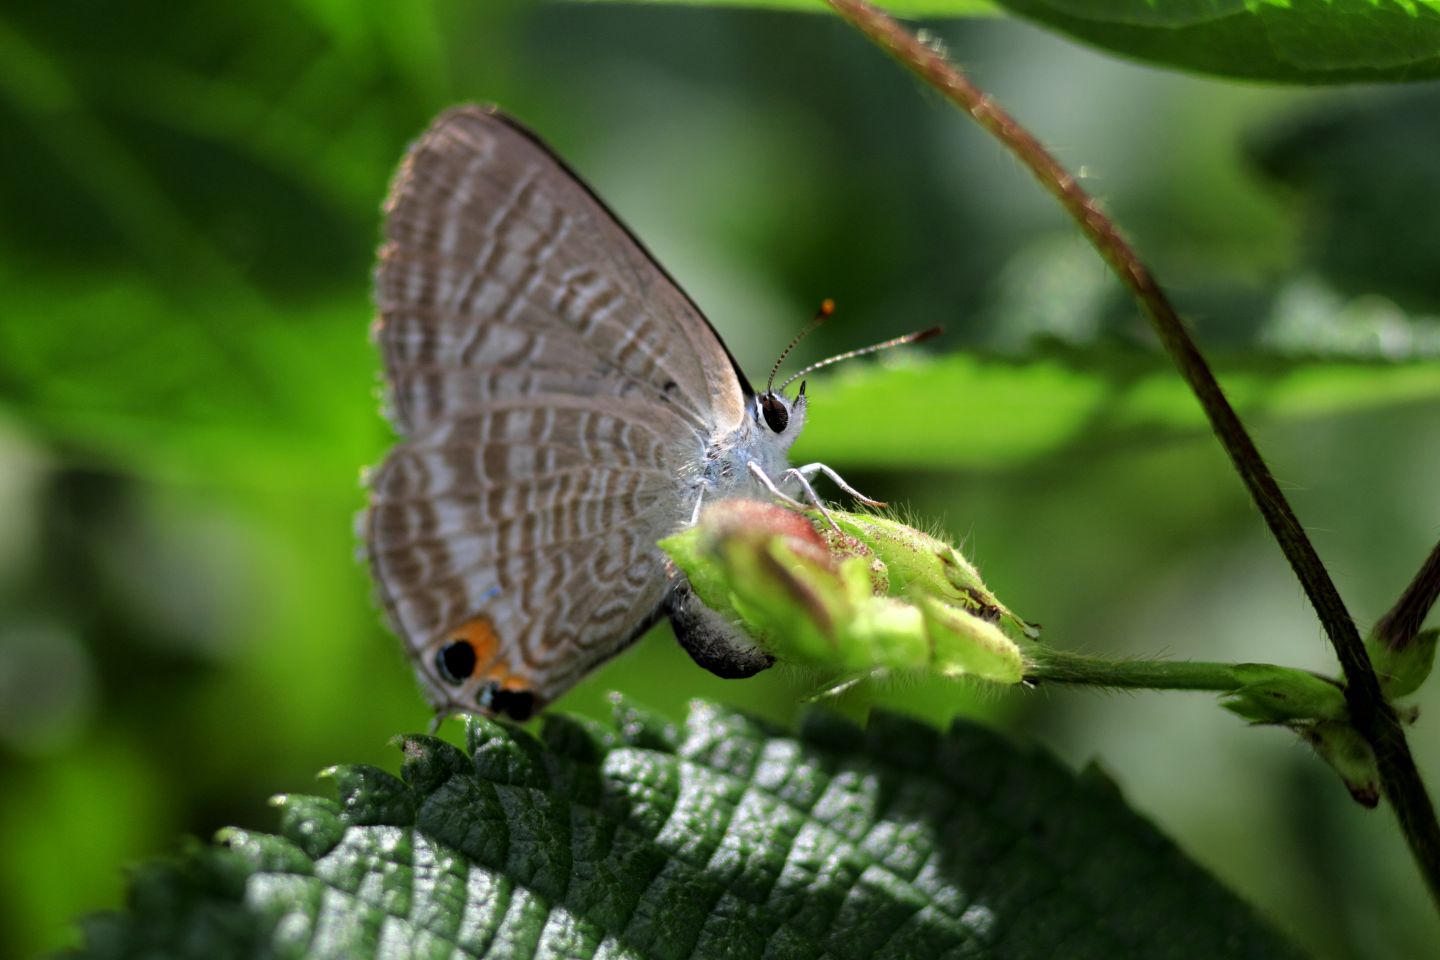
(1398, 628)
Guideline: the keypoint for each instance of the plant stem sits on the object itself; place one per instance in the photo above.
(1058, 666)
(1371, 716)
(1397, 629)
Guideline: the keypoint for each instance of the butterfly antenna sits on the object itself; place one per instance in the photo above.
(915, 337)
(827, 307)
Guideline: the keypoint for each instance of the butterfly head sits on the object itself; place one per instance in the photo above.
(780, 417)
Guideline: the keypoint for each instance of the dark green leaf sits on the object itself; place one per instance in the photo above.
(1305, 41)
(723, 838)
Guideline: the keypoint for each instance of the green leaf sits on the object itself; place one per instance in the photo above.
(1287, 41)
(971, 411)
(1403, 670)
(1272, 694)
(719, 839)
(1339, 745)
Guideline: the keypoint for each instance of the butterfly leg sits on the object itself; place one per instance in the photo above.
(758, 472)
(800, 478)
(810, 469)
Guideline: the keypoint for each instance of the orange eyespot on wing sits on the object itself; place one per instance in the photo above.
(466, 650)
(469, 656)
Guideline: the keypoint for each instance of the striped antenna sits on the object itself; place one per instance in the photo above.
(915, 337)
(827, 309)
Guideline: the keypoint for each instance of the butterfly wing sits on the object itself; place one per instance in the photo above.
(556, 392)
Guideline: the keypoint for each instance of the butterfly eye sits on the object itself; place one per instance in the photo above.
(776, 416)
(456, 661)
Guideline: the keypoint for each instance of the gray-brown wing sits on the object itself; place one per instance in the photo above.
(501, 273)
(557, 392)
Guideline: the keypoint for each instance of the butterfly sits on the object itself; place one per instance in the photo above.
(562, 405)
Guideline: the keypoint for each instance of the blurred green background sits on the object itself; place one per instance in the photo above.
(188, 213)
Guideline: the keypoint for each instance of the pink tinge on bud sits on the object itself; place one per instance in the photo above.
(744, 519)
